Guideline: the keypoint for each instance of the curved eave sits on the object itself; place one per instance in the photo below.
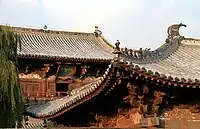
(46, 57)
(76, 99)
(161, 78)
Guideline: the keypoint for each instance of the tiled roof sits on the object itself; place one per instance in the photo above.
(180, 65)
(177, 61)
(61, 45)
(32, 126)
(183, 63)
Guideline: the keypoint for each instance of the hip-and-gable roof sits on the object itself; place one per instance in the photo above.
(62, 45)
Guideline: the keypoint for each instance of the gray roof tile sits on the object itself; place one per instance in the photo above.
(62, 45)
(184, 63)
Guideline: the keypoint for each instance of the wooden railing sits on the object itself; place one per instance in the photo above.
(44, 95)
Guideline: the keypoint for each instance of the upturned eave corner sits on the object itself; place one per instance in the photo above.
(117, 51)
(117, 48)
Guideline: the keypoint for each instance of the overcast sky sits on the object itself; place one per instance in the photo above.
(136, 23)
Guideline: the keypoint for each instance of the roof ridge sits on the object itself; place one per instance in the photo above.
(39, 44)
(191, 41)
(46, 31)
(147, 57)
(196, 39)
(106, 41)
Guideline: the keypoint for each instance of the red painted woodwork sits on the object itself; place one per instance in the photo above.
(38, 87)
(51, 88)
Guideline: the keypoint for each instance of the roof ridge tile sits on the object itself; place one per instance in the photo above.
(46, 31)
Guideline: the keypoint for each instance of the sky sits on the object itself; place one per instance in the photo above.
(135, 23)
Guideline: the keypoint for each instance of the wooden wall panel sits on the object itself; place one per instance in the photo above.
(35, 87)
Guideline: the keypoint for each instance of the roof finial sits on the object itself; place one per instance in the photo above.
(117, 48)
(97, 32)
(173, 31)
(45, 27)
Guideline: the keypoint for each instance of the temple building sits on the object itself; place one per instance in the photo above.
(143, 81)
(52, 63)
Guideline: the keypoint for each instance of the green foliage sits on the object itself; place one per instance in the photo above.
(11, 100)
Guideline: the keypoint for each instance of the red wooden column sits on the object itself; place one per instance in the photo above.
(42, 88)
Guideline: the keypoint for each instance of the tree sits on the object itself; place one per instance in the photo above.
(11, 98)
